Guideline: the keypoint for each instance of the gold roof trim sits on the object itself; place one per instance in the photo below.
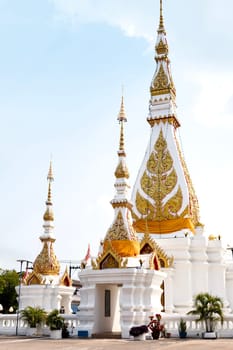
(65, 280)
(171, 120)
(121, 204)
(193, 207)
(33, 278)
(162, 256)
(109, 259)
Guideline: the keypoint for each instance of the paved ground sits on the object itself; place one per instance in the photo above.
(23, 343)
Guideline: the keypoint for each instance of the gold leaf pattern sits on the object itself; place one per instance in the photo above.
(118, 230)
(144, 207)
(173, 205)
(161, 80)
(158, 180)
(162, 48)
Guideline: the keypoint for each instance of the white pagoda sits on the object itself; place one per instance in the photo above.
(44, 286)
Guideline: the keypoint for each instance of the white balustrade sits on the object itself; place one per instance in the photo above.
(8, 323)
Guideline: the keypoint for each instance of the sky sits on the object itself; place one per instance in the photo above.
(62, 67)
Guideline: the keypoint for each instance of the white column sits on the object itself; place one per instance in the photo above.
(179, 249)
(168, 290)
(229, 284)
(217, 270)
(199, 263)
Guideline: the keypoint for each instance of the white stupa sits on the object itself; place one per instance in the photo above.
(44, 286)
(113, 294)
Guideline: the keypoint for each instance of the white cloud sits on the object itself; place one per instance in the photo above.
(213, 105)
(126, 15)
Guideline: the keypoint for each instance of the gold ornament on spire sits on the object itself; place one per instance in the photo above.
(48, 215)
(162, 82)
(122, 114)
(122, 170)
(122, 119)
(50, 173)
(46, 262)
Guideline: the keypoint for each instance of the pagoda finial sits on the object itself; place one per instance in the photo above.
(161, 24)
(48, 216)
(122, 114)
(122, 118)
(50, 173)
(121, 170)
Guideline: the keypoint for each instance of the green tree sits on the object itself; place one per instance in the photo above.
(209, 309)
(9, 279)
(34, 316)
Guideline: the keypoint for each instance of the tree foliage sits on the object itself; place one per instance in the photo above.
(9, 279)
(34, 316)
(209, 308)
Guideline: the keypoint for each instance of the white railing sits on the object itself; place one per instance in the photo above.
(195, 329)
(10, 325)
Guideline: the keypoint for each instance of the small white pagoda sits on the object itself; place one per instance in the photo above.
(123, 287)
(44, 286)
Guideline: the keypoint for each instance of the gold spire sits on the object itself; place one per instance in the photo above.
(122, 114)
(122, 119)
(121, 170)
(161, 24)
(48, 215)
(162, 82)
(50, 173)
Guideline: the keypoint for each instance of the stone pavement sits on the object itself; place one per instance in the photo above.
(23, 343)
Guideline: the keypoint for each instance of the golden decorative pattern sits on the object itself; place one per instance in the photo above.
(193, 208)
(121, 171)
(171, 120)
(158, 180)
(109, 263)
(34, 278)
(109, 259)
(161, 81)
(48, 215)
(161, 48)
(148, 245)
(118, 230)
(65, 279)
(46, 262)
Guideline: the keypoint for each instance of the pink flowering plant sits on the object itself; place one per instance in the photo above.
(155, 326)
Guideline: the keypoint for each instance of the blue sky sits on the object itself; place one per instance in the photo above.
(62, 65)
